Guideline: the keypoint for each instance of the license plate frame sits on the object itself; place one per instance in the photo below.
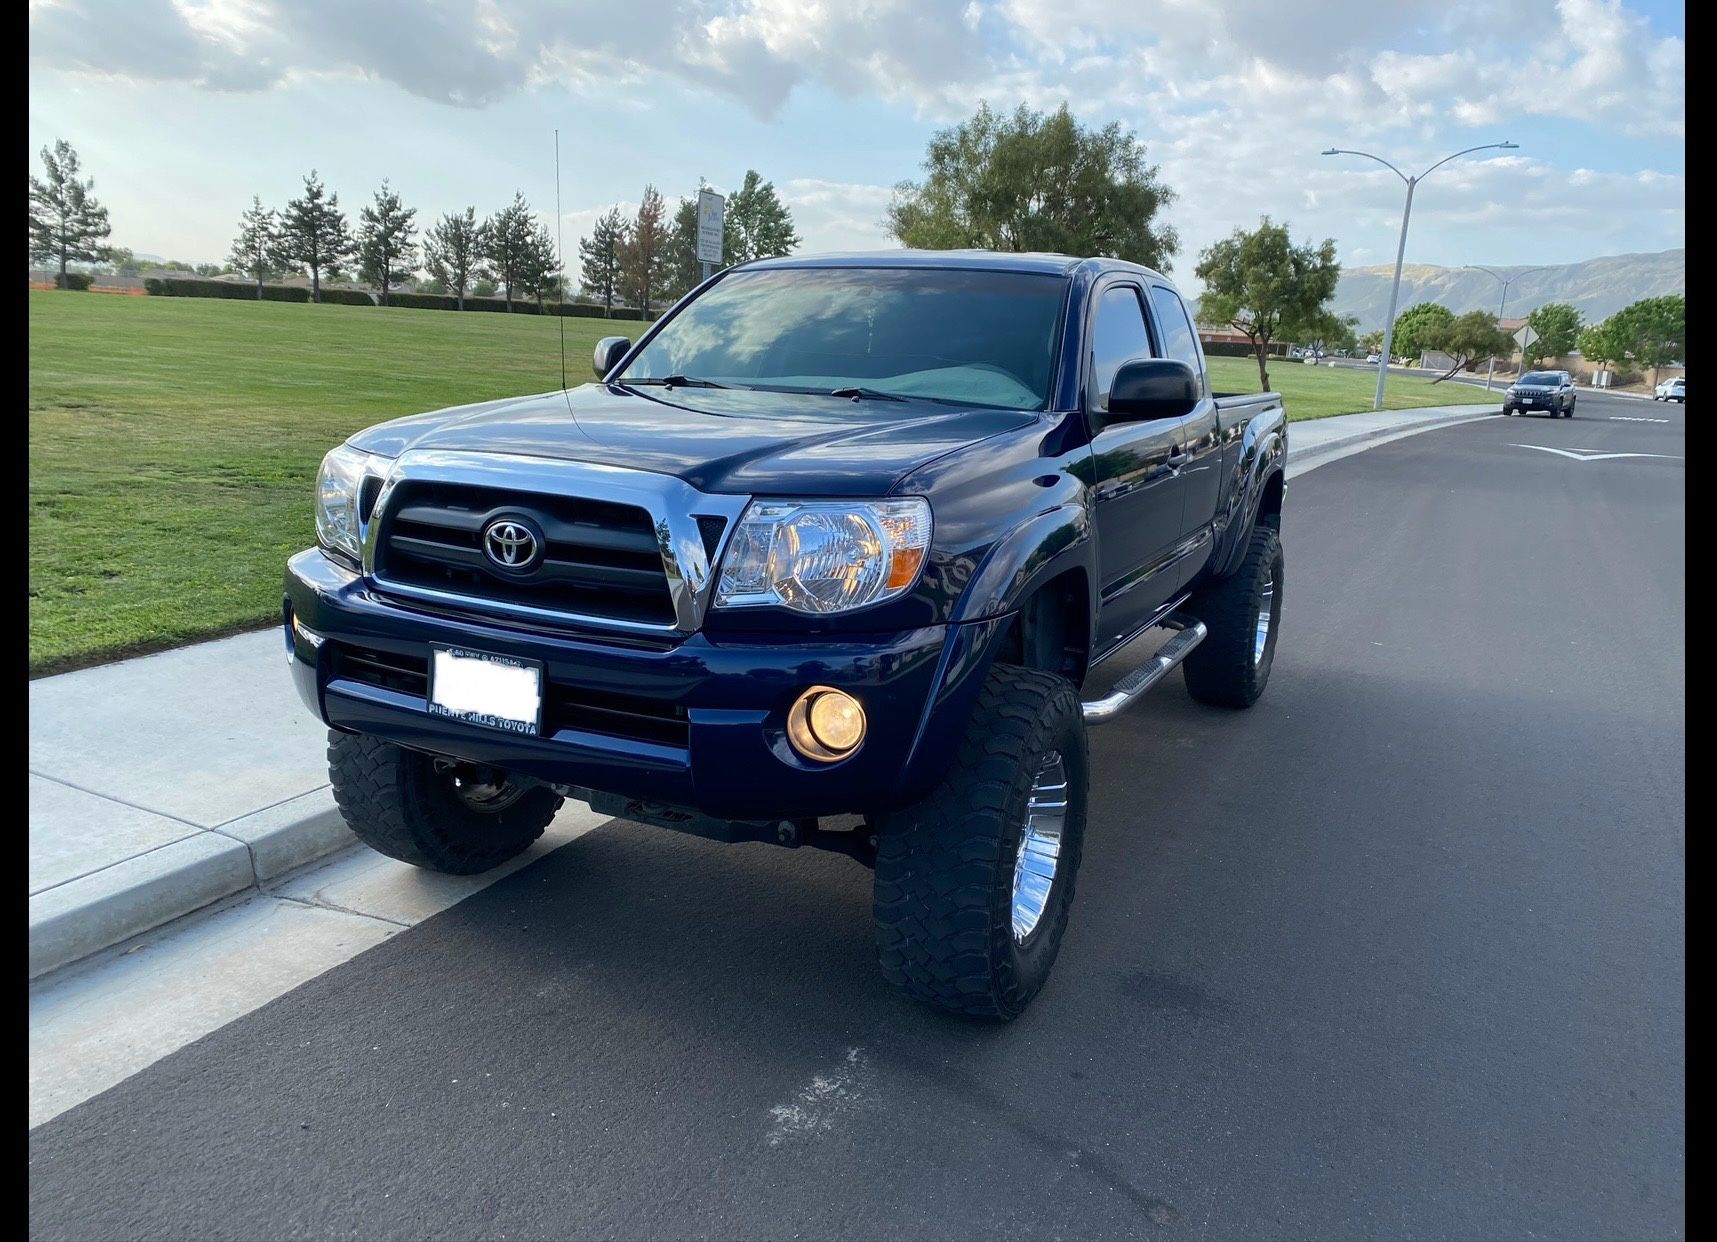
(466, 685)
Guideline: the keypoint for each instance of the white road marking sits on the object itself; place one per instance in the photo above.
(815, 1109)
(1628, 418)
(1593, 455)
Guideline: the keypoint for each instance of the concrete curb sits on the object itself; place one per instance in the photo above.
(1303, 459)
(96, 911)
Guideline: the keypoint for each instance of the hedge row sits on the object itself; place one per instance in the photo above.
(182, 287)
(177, 287)
(73, 280)
(1234, 349)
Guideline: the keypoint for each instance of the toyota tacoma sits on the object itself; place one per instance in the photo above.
(826, 559)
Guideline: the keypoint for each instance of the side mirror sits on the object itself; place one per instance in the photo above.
(609, 351)
(1151, 388)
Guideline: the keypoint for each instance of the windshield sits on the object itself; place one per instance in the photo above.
(970, 337)
(1542, 377)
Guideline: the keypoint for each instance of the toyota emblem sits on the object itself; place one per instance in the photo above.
(510, 544)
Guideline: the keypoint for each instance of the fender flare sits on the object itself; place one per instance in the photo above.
(1263, 455)
(1045, 545)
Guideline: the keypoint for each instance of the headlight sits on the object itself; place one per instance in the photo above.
(340, 492)
(824, 556)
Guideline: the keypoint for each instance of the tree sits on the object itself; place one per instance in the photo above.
(253, 248)
(1372, 342)
(485, 287)
(1652, 332)
(1601, 343)
(1412, 324)
(453, 252)
(644, 251)
(386, 253)
(599, 257)
(1466, 339)
(313, 234)
(539, 266)
(67, 225)
(1034, 182)
(756, 223)
(1267, 288)
(507, 240)
(683, 269)
(1556, 325)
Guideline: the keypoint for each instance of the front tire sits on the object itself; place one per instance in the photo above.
(1243, 614)
(456, 819)
(974, 884)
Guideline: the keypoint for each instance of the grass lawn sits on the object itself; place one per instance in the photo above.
(173, 442)
(1318, 392)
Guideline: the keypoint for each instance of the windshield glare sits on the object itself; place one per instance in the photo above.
(1541, 377)
(983, 338)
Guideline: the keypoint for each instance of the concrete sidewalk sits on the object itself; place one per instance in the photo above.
(163, 784)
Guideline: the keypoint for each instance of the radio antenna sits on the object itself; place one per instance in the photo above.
(560, 259)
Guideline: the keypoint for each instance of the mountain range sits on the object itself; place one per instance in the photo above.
(1596, 287)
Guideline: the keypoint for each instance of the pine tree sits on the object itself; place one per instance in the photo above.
(386, 253)
(453, 252)
(508, 236)
(67, 225)
(314, 235)
(644, 253)
(253, 248)
(758, 224)
(599, 258)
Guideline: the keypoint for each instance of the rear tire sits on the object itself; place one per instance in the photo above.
(974, 883)
(400, 804)
(1243, 615)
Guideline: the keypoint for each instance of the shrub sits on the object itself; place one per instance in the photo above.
(73, 280)
(176, 287)
(350, 297)
(425, 301)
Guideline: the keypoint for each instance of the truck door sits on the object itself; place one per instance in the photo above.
(1137, 478)
(1201, 433)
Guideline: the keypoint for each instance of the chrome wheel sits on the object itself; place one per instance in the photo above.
(1039, 845)
(1266, 613)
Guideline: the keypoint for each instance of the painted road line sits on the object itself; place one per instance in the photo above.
(1591, 455)
(1628, 418)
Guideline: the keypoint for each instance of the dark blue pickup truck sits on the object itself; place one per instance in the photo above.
(824, 560)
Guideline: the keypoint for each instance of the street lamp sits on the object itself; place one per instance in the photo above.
(1505, 282)
(1401, 249)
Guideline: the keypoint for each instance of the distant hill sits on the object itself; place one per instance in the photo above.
(1596, 287)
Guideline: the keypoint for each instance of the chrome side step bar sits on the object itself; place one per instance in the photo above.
(1128, 690)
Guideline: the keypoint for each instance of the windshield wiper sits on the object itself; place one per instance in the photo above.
(678, 381)
(867, 394)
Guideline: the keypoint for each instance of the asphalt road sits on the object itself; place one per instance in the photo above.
(1398, 953)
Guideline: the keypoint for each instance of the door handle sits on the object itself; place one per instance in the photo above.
(1178, 459)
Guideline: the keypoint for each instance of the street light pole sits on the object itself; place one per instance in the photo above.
(1505, 283)
(1401, 248)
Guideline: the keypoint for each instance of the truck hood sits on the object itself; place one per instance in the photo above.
(717, 440)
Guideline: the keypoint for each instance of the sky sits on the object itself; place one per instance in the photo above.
(184, 109)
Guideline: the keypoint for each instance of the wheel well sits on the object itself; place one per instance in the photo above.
(1270, 503)
(1052, 629)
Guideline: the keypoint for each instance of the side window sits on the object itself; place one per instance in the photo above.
(1180, 342)
(1117, 336)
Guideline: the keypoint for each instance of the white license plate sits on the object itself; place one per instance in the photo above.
(496, 691)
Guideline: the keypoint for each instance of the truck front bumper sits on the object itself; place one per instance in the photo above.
(696, 724)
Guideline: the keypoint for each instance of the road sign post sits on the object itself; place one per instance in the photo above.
(712, 211)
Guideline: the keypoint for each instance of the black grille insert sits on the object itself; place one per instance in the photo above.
(601, 560)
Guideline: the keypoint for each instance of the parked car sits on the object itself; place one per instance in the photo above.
(1373, 359)
(839, 536)
(1550, 391)
(1671, 390)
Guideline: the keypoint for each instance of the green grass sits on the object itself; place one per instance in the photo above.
(173, 442)
(1318, 392)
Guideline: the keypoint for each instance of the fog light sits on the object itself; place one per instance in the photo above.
(825, 724)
